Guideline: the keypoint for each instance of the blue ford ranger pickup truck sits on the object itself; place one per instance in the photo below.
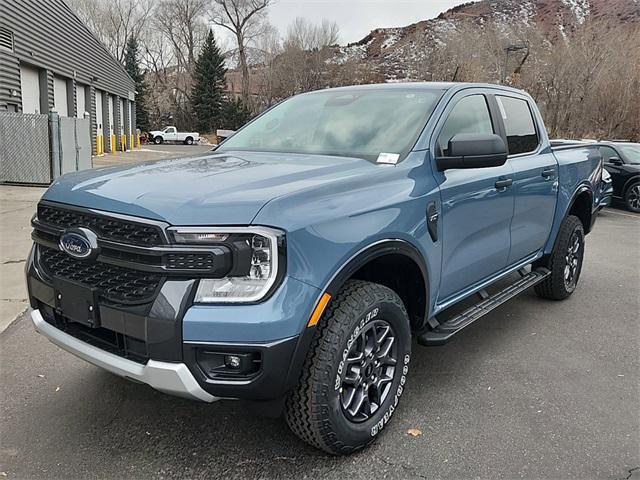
(293, 265)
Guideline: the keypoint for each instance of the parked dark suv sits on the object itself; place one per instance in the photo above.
(622, 161)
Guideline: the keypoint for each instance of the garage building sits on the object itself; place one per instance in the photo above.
(50, 60)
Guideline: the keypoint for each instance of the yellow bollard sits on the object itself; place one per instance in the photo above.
(99, 145)
(113, 143)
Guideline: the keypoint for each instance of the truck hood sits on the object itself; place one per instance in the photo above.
(216, 189)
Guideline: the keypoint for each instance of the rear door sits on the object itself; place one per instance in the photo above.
(535, 184)
(476, 213)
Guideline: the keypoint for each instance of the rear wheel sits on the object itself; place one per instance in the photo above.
(355, 370)
(188, 141)
(565, 261)
(632, 197)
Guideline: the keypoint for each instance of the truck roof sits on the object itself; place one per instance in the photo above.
(422, 86)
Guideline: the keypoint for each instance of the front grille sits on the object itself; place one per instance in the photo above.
(118, 284)
(107, 228)
(189, 261)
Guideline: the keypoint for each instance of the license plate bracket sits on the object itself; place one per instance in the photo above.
(77, 302)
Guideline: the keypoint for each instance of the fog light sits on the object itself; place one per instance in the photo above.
(232, 361)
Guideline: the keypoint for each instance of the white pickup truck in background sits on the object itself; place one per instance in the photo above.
(171, 134)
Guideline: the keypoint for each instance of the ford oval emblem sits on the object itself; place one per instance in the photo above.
(79, 243)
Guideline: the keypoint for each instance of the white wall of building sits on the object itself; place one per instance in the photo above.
(100, 130)
(80, 100)
(30, 87)
(60, 96)
(131, 113)
(111, 116)
(122, 107)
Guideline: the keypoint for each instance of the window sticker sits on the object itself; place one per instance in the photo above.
(388, 158)
(501, 106)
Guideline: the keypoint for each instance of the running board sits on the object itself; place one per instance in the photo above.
(443, 332)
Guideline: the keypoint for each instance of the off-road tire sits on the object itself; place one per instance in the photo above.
(313, 410)
(554, 286)
(158, 140)
(632, 198)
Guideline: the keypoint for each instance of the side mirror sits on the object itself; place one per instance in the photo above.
(474, 150)
(615, 161)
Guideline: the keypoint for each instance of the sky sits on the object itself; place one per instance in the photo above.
(356, 18)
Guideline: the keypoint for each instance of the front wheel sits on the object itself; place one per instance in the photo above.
(355, 371)
(632, 198)
(157, 140)
(565, 261)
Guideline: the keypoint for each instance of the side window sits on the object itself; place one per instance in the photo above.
(171, 130)
(607, 153)
(520, 127)
(470, 115)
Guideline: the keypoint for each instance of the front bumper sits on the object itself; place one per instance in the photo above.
(172, 378)
(162, 344)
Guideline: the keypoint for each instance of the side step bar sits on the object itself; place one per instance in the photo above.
(443, 332)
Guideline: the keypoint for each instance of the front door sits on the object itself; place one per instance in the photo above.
(170, 134)
(477, 204)
(535, 182)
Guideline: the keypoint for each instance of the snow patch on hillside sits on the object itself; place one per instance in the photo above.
(393, 35)
(580, 8)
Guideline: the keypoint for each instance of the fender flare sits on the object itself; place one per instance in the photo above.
(560, 215)
(373, 251)
(592, 208)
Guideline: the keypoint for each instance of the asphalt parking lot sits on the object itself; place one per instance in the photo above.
(150, 152)
(537, 389)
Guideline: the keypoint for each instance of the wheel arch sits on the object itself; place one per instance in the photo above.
(581, 205)
(396, 264)
(633, 180)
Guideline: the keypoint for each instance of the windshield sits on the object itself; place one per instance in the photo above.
(631, 152)
(354, 123)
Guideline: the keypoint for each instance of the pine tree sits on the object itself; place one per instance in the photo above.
(236, 114)
(207, 95)
(133, 69)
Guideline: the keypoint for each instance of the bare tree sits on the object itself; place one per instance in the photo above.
(305, 35)
(245, 19)
(178, 33)
(114, 22)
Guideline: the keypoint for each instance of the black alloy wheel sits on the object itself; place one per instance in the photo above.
(632, 198)
(573, 259)
(368, 371)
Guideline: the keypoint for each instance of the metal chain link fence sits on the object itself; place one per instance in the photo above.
(24, 148)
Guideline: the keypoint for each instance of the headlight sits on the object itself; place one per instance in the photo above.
(256, 253)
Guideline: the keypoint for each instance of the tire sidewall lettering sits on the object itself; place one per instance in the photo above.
(379, 426)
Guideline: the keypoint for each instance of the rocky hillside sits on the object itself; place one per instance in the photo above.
(388, 49)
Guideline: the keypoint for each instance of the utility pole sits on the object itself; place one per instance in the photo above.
(514, 47)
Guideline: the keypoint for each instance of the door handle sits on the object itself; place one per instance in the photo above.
(548, 173)
(504, 183)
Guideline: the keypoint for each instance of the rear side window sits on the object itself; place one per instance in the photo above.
(470, 115)
(608, 153)
(520, 127)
